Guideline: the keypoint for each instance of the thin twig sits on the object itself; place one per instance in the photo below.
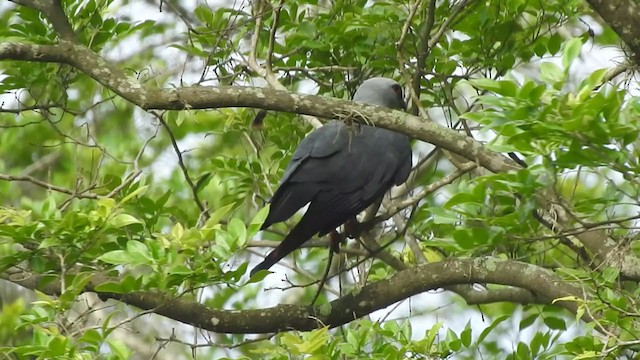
(174, 339)
(252, 62)
(136, 164)
(31, 179)
(423, 52)
(318, 243)
(185, 172)
(426, 191)
(272, 36)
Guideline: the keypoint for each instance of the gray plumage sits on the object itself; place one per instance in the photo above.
(339, 170)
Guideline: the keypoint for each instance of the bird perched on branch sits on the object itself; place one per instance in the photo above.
(339, 170)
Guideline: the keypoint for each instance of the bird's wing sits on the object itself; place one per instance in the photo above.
(322, 142)
(289, 198)
(355, 165)
(403, 155)
(329, 209)
(301, 179)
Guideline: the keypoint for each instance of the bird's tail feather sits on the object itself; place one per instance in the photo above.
(302, 232)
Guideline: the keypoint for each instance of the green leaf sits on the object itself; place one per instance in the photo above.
(259, 276)
(180, 269)
(139, 252)
(236, 274)
(119, 349)
(502, 87)
(291, 341)
(460, 198)
(491, 327)
(105, 205)
(572, 49)
(110, 287)
(204, 14)
(523, 352)
(217, 215)
(116, 257)
(202, 181)
(49, 242)
(442, 216)
(528, 321)
(49, 207)
(610, 274)
(238, 231)
(554, 44)
(539, 341)
(463, 238)
(465, 335)
(191, 50)
(257, 222)
(56, 346)
(92, 336)
(314, 340)
(177, 231)
(431, 335)
(587, 86)
(552, 74)
(139, 191)
(555, 323)
(122, 220)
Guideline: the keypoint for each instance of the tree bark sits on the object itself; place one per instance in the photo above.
(542, 286)
(624, 18)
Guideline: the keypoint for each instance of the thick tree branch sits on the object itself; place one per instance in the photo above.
(82, 59)
(53, 10)
(543, 285)
(622, 16)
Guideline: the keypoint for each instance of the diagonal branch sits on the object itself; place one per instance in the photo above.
(81, 58)
(183, 167)
(622, 16)
(53, 10)
(267, 73)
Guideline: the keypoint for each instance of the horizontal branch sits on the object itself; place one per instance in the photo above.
(46, 185)
(543, 286)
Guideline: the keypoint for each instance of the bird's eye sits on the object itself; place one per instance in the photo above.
(398, 90)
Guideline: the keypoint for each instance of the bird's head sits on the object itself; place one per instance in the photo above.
(380, 91)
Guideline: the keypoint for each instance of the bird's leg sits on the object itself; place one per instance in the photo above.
(325, 276)
(335, 238)
(352, 228)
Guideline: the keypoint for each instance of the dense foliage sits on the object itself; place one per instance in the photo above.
(122, 212)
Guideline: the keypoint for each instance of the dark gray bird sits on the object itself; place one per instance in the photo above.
(339, 170)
